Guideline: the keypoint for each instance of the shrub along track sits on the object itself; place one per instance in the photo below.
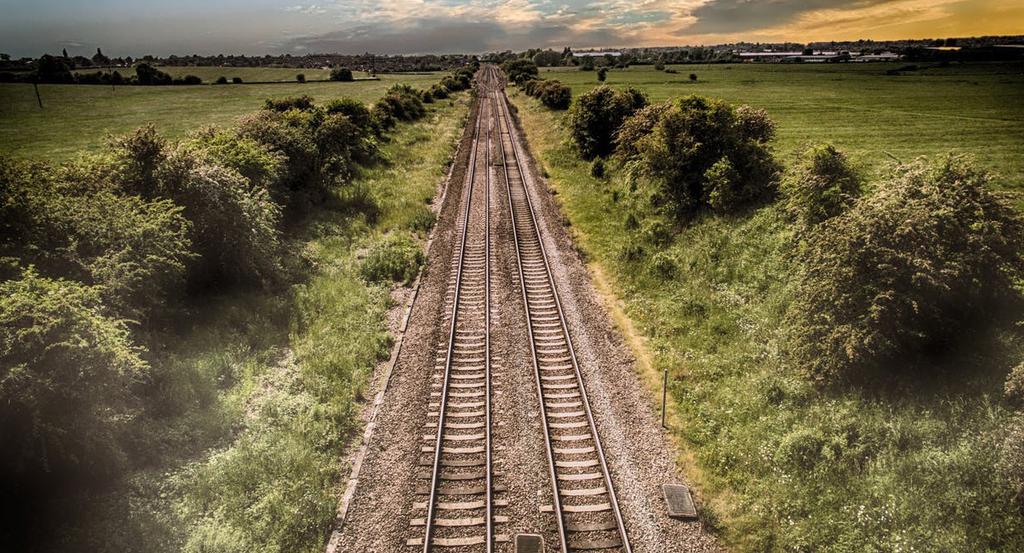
(512, 321)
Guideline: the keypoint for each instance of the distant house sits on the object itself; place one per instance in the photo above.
(770, 57)
(883, 56)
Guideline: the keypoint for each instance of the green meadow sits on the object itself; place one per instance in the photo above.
(77, 118)
(874, 117)
(778, 463)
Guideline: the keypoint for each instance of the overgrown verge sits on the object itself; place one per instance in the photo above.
(187, 328)
(920, 460)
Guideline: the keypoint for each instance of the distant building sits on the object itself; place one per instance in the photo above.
(596, 54)
(822, 56)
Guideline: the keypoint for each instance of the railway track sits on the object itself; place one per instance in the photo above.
(584, 501)
(459, 489)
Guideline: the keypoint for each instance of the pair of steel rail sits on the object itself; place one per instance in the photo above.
(582, 491)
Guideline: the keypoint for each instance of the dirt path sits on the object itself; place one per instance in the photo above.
(640, 458)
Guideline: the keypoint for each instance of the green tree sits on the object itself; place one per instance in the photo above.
(705, 154)
(596, 116)
(343, 74)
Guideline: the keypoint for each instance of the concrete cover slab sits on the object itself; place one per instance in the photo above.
(529, 543)
(680, 503)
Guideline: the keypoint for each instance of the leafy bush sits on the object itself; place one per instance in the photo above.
(301, 77)
(343, 74)
(602, 74)
(596, 116)
(597, 169)
(296, 146)
(554, 94)
(68, 225)
(365, 148)
(1013, 390)
(395, 257)
(519, 70)
(636, 127)
(234, 225)
(255, 161)
(222, 80)
(236, 80)
(905, 271)
(401, 102)
(66, 377)
(292, 102)
(439, 91)
(703, 154)
(1011, 458)
(821, 185)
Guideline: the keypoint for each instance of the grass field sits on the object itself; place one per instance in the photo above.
(77, 118)
(977, 109)
(780, 464)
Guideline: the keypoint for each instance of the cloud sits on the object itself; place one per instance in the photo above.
(312, 9)
(728, 16)
(419, 26)
(440, 35)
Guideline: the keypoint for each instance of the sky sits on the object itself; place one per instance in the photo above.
(138, 27)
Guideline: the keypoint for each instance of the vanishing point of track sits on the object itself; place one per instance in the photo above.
(460, 505)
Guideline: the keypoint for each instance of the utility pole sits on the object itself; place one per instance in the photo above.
(35, 85)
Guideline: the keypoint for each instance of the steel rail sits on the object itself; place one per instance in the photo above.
(489, 497)
(438, 443)
(563, 537)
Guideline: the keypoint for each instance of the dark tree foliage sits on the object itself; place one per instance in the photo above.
(146, 74)
(343, 74)
(547, 58)
(906, 270)
(519, 70)
(602, 74)
(703, 154)
(596, 116)
(51, 69)
(301, 103)
(234, 226)
(551, 93)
